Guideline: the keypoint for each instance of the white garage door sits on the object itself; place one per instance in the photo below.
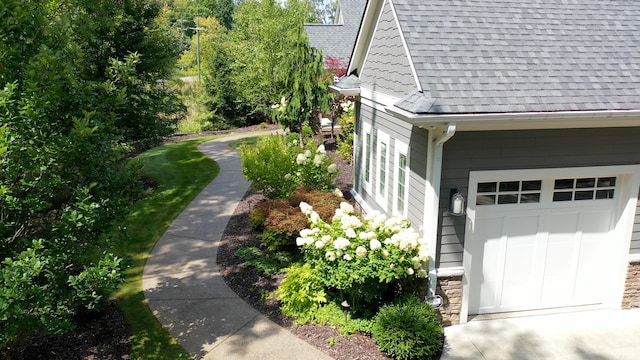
(541, 242)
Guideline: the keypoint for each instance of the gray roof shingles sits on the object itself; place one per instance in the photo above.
(337, 40)
(524, 55)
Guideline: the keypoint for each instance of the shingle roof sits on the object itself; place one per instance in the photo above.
(496, 56)
(337, 40)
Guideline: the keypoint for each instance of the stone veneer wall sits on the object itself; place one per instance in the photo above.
(631, 297)
(450, 288)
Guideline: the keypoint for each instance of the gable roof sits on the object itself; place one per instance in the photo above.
(337, 39)
(515, 56)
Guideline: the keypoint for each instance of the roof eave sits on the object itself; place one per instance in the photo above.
(345, 91)
(523, 121)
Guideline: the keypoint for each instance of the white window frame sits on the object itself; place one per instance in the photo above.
(367, 156)
(382, 185)
(401, 149)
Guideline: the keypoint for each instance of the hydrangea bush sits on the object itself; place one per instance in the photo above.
(361, 257)
(277, 168)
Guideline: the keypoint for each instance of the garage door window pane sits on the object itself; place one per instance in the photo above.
(487, 187)
(584, 195)
(563, 184)
(586, 183)
(563, 196)
(607, 182)
(531, 185)
(509, 186)
(508, 199)
(604, 194)
(485, 200)
(530, 198)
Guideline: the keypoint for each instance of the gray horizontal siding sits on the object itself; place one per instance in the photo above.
(531, 149)
(397, 130)
(387, 68)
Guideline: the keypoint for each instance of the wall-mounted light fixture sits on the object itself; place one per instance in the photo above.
(456, 202)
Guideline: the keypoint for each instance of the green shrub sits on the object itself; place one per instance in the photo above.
(301, 293)
(315, 169)
(333, 314)
(408, 330)
(273, 240)
(270, 166)
(268, 263)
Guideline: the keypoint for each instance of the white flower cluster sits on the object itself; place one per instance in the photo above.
(346, 105)
(353, 236)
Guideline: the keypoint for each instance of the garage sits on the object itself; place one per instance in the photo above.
(540, 239)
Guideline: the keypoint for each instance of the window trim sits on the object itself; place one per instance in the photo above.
(401, 149)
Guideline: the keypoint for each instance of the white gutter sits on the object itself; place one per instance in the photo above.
(343, 91)
(525, 120)
(432, 197)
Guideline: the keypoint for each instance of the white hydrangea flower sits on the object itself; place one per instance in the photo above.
(422, 273)
(361, 251)
(319, 244)
(375, 244)
(350, 233)
(385, 252)
(287, 176)
(321, 149)
(347, 208)
(347, 257)
(338, 214)
(326, 238)
(307, 154)
(410, 271)
(417, 264)
(330, 255)
(318, 159)
(332, 169)
(337, 191)
(314, 217)
(301, 159)
(300, 241)
(306, 208)
(341, 243)
(306, 232)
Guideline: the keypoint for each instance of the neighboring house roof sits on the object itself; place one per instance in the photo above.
(471, 57)
(337, 39)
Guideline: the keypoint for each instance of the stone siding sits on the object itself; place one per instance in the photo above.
(450, 288)
(631, 297)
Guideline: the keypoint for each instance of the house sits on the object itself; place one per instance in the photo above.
(508, 133)
(336, 40)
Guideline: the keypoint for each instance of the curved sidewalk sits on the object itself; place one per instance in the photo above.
(188, 295)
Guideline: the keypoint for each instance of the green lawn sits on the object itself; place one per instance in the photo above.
(181, 172)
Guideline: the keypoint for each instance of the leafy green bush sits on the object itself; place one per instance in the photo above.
(333, 314)
(315, 169)
(273, 240)
(301, 293)
(362, 259)
(408, 330)
(270, 166)
(268, 263)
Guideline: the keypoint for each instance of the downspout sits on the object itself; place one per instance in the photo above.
(434, 174)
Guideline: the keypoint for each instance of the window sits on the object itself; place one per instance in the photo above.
(578, 189)
(382, 167)
(367, 156)
(401, 185)
(382, 175)
(508, 192)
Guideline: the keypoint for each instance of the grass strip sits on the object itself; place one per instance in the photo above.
(181, 172)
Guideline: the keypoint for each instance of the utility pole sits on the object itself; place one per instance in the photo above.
(198, 29)
(182, 29)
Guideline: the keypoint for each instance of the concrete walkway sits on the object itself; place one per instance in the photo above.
(186, 292)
